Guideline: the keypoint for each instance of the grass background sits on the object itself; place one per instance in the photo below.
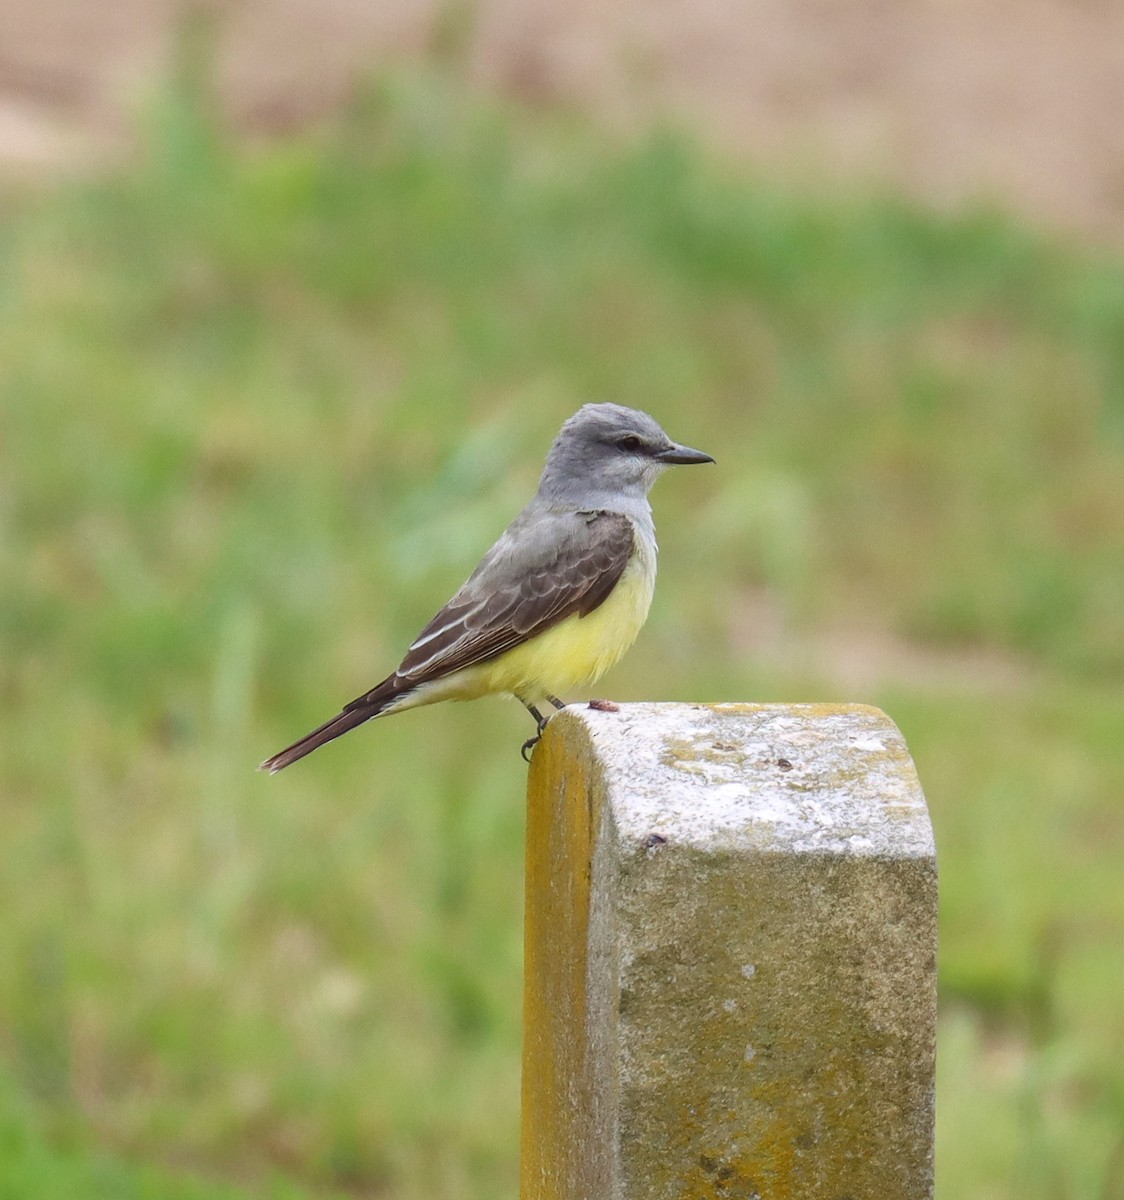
(262, 408)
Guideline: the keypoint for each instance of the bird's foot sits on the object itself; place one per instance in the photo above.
(528, 746)
(540, 722)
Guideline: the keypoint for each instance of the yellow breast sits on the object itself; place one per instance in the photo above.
(577, 651)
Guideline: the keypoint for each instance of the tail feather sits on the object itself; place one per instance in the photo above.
(356, 713)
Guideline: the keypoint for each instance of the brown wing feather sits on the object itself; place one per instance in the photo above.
(576, 573)
(509, 598)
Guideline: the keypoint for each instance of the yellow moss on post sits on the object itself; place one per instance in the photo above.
(730, 957)
(556, 1091)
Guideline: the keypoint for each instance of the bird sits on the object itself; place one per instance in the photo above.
(557, 600)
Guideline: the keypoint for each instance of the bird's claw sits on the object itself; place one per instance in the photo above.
(540, 724)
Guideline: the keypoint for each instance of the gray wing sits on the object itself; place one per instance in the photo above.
(547, 566)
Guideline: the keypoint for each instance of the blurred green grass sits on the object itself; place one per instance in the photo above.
(264, 407)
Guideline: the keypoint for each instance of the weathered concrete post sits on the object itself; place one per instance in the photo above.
(730, 957)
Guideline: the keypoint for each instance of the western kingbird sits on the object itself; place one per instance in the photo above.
(558, 599)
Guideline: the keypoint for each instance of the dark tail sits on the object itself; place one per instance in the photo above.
(356, 713)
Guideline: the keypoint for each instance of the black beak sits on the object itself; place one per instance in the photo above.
(682, 455)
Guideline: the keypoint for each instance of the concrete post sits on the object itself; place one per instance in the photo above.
(730, 957)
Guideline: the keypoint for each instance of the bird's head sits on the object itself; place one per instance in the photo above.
(607, 451)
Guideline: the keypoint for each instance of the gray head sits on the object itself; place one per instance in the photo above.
(606, 453)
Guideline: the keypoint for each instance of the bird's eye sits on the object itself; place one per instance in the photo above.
(630, 443)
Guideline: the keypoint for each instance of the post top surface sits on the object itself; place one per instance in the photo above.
(805, 778)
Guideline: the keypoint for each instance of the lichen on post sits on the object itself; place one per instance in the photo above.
(730, 957)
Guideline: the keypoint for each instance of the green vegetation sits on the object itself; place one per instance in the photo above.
(261, 410)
